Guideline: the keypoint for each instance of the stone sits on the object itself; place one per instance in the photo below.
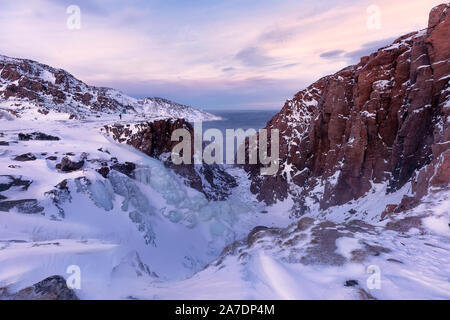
(27, 206)
(25, 157)
(51, 288)
(104, 171)
(126, 168)
(37, 136)
(154, 139)
(351, 283)
(68, 165)
(8, 181)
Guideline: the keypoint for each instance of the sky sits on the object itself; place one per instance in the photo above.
(212, 54)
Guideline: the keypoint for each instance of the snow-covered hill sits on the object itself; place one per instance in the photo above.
(73, 196)
(101, 197)
(29, 90)
(77, 197)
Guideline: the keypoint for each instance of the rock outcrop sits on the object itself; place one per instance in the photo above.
(37, 136)
(26, 206)
(154, 139)
(68, 165)
(384, 120)
(52, 288)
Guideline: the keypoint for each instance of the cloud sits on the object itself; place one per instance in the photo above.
(332, 54)
(254, 57)
(279, 35)
(354, 56)
(254, 92)
(368, 48)
(228, 69)
(204, 53)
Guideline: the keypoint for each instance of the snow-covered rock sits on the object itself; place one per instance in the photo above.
(29, 89)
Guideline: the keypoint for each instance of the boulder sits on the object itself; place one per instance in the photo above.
(8, 181)
(51, 288)
(68, 165)
(37, 136)
(27, 206)
(25, 157)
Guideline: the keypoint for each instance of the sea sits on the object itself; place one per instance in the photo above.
(238, 119)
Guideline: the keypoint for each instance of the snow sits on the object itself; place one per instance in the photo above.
(381, 84)
(173, 228)
(279, 279)
(116, 228)
(104, 102)
(414, 267)
(48, 76)
(438, 224)
(346, 245)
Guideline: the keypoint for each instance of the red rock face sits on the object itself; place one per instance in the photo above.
(378, 121)
(154, 139)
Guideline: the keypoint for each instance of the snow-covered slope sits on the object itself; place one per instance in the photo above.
(30, 90)
(166, 108)
(52, 218)
(137, 230)
(79, 194)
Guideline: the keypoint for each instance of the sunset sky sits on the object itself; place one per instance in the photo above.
(206, 53)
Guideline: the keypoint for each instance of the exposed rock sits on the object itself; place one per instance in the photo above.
(314, 242)
(27, 206)
(104, 171)
(154, 139)
(132, 263)
(37, 136)
(126, 168)
(59, 196)
(351, 283)
(68, 165)
(4, 143)
(305, 223)
(52, 288)
(7, 182)
(388, 211)
(381, 120)
(323, 245)
(260, 232)
(405, 224)
(25, 157)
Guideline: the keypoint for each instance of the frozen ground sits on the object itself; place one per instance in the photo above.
(152, 237)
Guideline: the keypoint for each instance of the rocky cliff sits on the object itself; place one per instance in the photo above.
(384, 120)
(154, 139)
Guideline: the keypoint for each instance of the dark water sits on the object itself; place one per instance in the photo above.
(240, 119)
